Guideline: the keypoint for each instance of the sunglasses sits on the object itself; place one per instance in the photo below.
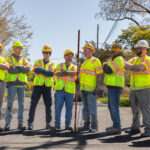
(47, 53)
(138, 48)
(112, 52)
(20, 48)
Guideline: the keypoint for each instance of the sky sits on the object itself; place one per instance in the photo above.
(56, 22)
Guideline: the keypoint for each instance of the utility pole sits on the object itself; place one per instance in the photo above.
(97, 38)
(77, 86)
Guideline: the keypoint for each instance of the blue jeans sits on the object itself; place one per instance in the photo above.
(89, 109)
(113, 105)
(10, 100)
(2, 89)
(61, 97)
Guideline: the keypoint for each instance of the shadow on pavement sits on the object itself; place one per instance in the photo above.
(120, 139)
(79, 137)
(11, 132)
(145, 143)
(36, 132)
(3, 148)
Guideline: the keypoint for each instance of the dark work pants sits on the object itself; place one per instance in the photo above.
(37, 92)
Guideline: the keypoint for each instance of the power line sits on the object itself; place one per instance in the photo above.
(114, 25)
(111, 32)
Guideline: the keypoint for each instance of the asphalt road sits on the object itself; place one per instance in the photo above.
(41, 139)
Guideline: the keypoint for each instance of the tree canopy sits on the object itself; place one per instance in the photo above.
(13, 27)
(129, 37)
(117, 10)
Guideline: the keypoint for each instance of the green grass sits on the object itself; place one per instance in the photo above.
(28, 94)
(124, 101)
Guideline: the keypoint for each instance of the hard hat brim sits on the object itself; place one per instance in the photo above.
(68, 53)
(117, 50)
(84, 48)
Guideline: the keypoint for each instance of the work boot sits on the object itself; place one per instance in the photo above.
(7, 127)
(30, 127)
(21, 127)
(133, 131)
(57, 129)
(93, 130)
(145, 134)
(67, 127)
(86, 127)
(48, 126)
(113, 131)
(109, 128)
(1, 129)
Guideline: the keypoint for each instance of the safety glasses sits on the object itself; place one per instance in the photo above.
(47, 53)
(138, 48)
(20, 48)
(112, 52)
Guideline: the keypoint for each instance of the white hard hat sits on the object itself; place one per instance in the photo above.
(142, 43)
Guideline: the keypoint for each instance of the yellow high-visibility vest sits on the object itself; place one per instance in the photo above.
(140, 79)
(67, 83)
(22, 77)
(40, 79)
(88, 74)
(117, 77)
(2, 72)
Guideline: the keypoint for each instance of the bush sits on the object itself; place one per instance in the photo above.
(124, 101)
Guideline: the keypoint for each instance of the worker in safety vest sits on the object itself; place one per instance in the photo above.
(65, 89)
(16, 81)
(3, 67)
(90, 73)
(114, 80)
(140, 88)
(43, 83)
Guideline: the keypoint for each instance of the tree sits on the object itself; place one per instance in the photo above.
(128, 39)
(117, 10)
(132, 35)
(13, 27)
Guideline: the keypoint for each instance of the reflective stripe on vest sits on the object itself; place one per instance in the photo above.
(141, 78)
(2, 72)
(88, 72)
(117, 77)
(22, 77)
(88, 75)
(67, 82)
(98, 68)
(40, 79)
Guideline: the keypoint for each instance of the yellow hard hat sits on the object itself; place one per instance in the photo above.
(68, 51)
(47, 48)
(1, 45)
(90, 46)
(116, 47)
(17, 44)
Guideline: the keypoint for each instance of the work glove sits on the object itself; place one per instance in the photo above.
(19, 67)
(23, 69)
(107, 69)
(98, 92)
(13, 70)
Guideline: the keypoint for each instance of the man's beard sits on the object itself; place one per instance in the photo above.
(139, 53)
